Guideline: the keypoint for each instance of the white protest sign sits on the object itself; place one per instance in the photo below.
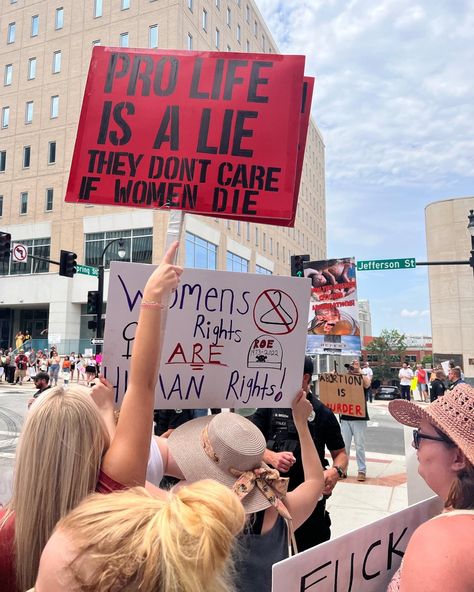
(231, 339)
(362, 560)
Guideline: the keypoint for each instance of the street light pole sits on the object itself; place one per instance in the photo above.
(470, 227)
(100, 299)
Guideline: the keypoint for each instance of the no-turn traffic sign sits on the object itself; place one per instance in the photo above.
(19, 253)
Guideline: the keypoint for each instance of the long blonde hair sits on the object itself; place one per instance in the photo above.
(57, 465)
(132, 540)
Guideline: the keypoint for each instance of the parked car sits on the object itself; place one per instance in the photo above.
(387, 393)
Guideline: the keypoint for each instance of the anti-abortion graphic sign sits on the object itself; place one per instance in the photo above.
(333, 323)
(208, 133)
(231, 339)
(363, 560)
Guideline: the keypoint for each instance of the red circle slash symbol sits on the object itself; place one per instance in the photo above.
(275, 312)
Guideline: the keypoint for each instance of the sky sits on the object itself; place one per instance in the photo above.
(394, 101)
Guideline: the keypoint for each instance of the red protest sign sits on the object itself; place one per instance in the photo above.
(207, 133)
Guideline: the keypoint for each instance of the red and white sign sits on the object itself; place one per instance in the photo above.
(220, 134)
(19, 253)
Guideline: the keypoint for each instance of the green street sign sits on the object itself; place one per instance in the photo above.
(378, 264)
(87, 270)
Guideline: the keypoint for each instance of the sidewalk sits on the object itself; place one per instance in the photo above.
(354, 504)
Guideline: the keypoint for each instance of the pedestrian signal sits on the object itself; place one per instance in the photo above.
(67, 263)
(297, 265)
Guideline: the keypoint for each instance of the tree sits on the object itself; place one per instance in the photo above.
(389, 347)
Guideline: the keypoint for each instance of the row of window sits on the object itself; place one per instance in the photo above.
(138, 245)
(32, 67)
(51, 156)
(29, 110)
(48, 204)
(34, 29)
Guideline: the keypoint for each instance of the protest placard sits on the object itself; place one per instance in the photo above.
(231, 339)
(363, 560)
(208, 133)
(342, 393)
(333, 322)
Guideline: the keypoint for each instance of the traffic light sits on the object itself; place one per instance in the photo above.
(297, 265)
(67, 263)
(92, 302)
(5, 246)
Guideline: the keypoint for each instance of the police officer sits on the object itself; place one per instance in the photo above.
(283, 452)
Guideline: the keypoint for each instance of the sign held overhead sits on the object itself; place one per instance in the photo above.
(221, 134)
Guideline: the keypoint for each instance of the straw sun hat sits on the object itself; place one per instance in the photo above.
(452, 413)
(222, 447)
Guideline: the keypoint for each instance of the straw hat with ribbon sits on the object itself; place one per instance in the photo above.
(229, 448)
(452, 413)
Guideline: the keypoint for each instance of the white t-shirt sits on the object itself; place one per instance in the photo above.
(367, 371)
(405, 375)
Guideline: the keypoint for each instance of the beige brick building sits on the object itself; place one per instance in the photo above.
(451, 286)
(45, 48)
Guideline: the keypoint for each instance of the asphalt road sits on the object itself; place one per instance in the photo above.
(383, 434)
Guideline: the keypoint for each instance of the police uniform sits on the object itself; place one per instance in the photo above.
(280, 432)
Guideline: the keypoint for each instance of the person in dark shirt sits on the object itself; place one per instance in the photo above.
(283, 453)
(42, 384)
(438, 386)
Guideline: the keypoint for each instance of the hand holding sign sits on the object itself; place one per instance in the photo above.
(164, 279)
(301, 408)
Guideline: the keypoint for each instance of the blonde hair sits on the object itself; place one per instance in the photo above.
(132, 540)
(57, 465)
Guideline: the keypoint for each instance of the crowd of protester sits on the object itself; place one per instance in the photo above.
(89, 511)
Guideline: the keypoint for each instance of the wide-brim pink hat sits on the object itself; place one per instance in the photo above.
(236, 444)
(452, 413)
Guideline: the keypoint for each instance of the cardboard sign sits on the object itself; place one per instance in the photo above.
(208, 133)
(231, 339)
(363, 560)
(342, 393)
(333, 322)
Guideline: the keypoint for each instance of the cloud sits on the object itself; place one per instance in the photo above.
(409, 313)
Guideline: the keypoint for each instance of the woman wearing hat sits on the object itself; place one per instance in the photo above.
(229, 448)
(440, 556)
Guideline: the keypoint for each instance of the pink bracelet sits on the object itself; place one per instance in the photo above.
(150, 304)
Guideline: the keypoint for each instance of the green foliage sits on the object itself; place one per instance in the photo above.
(390, 343)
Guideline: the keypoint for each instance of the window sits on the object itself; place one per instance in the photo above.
(56, 62)
(256, 237)
(138, 245)
(247, 13)
(26, 157)
(34, 25)
(236, 263)
(49, 199)
(11, 33)
(1, 206)
(255, 28)
(8, 77)
(189, 42)
(200, 253)
(262, 270)
(59, 19)
(204, 19)
(247, 230)
(125, 4)
(31, 68)
(218, 38)
(238, 33)
(229, 48)
(190, 5)
(29, 112)
(228, 17)
(263, 42)
(218, 4)
(98, 8)
(238, 3)
(39, 247)
(153, 36)
(123, 41)
(23, 203)
(51, 152)
(96, 42)
(54, 108)
(247, 45)
(3, 160)
(264, 241)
